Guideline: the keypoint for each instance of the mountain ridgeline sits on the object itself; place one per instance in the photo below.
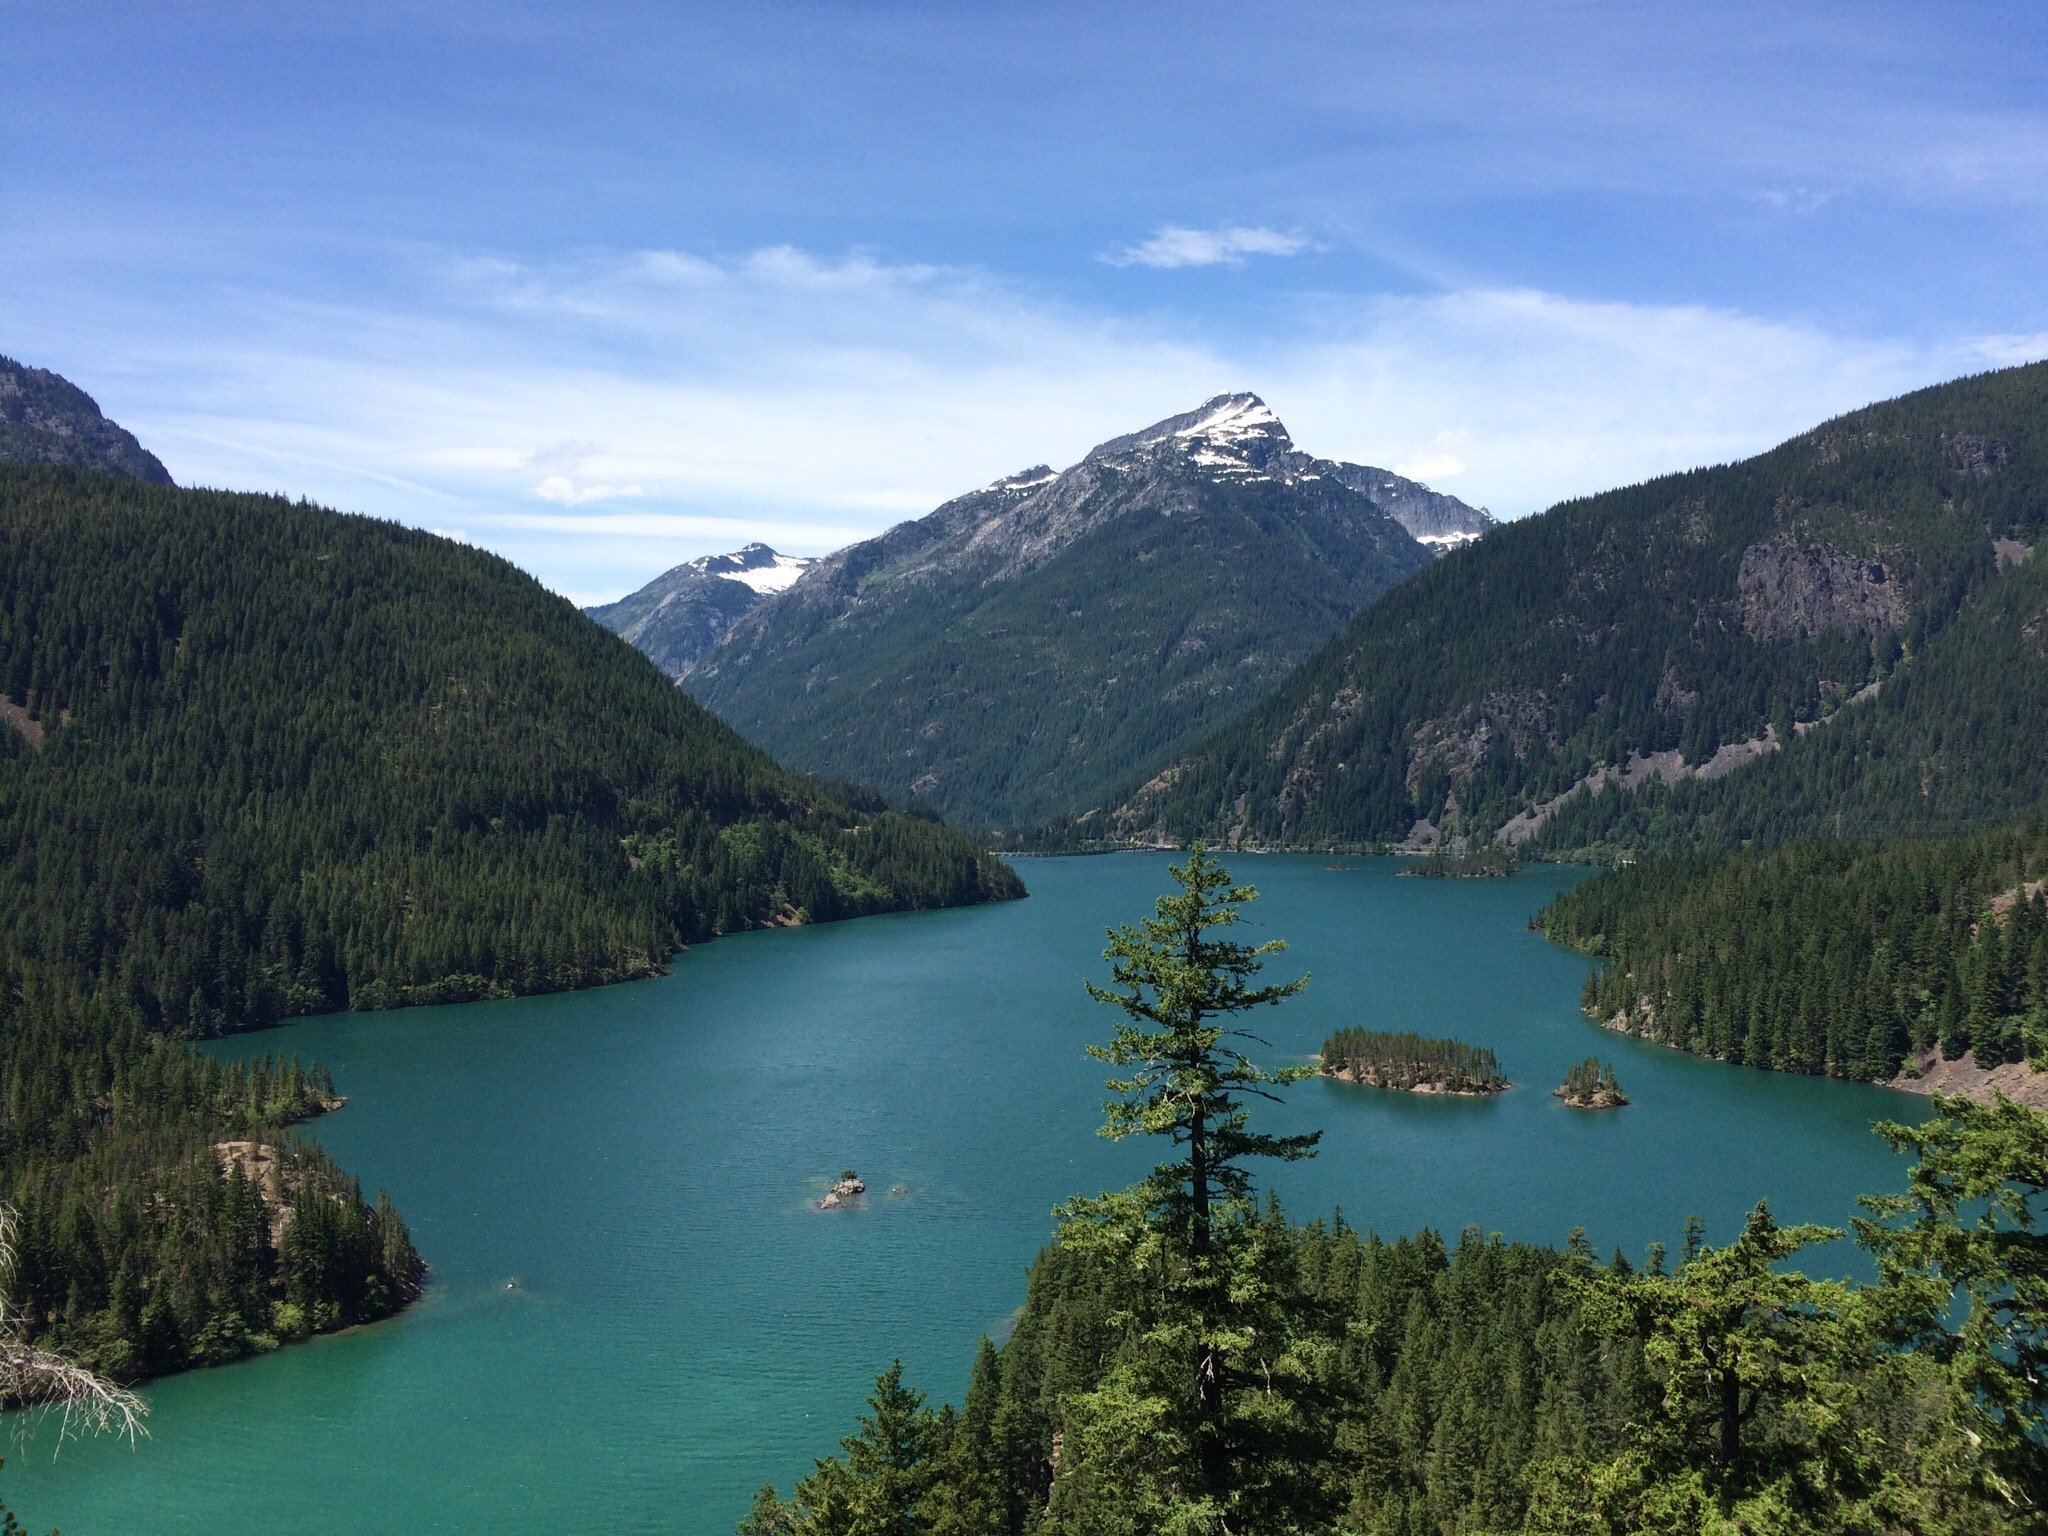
(1029, 646)
(1848, 634)
(261, 759)
(46, 419)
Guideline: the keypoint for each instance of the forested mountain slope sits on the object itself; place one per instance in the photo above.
(262, 759)
(1849, 633)
(46, 419)
(1854, 960)
(1025, 648)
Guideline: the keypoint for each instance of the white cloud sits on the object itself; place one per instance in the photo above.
(1438, 461)
(807, 402)
(1178, 246)
(722, 533)
(566, 491)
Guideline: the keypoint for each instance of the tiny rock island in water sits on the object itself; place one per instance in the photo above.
(1591, 1085)
(1409, 1063)
(846, 1189)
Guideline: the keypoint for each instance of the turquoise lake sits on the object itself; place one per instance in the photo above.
(640, 1163)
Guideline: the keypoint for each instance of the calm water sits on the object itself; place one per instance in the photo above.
(641, 1161)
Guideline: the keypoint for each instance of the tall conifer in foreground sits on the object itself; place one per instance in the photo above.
(1209, 1297)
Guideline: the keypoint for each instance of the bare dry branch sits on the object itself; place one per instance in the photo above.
(42, 1380)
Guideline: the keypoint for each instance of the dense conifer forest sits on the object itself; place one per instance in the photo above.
(272, 760)
(1190, 1361)
(162, 1217)
(1408, 1061)
(1840, 958)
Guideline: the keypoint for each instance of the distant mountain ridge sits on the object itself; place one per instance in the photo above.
(1442, 522)
(687, 609)
(46, 419)
(1847, 634)
(1021, 649)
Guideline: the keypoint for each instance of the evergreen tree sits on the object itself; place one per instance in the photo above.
(1763, 1373)
(1213, 1313)
(1964, 1257)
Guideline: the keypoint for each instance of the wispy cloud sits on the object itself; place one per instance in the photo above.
(1178, 246)
(723, 533)
(561, 488)
(808, 401)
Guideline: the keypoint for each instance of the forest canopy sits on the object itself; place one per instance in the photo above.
(270, 760)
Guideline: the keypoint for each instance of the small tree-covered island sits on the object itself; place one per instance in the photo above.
(1591, 1084)
(1409, 1063)
(1191, 1361)
(1493, 862)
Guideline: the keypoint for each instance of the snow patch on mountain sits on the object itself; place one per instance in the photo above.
(778, 576)
(1023, 480)
(757, 567)
(1231, 418)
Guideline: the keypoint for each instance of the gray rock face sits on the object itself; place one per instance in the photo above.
(46, 419)
(685, 611)
(1788, 591)
(1439, 521)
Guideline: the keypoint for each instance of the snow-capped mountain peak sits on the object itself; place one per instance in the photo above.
(757, 567)
(1235, 434)
(1233, 418)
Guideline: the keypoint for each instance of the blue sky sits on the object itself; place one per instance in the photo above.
(606, 286)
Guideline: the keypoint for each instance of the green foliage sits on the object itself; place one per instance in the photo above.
(1592, 1081)
(886, 1482)
(1217, 1381)
(264, 760)
(1842, 958)
(1973, 1225)
(1408, 1061)
(1403, 1389)
(1620, 624)
(1759, 1371)
(294, 761)
(150, 1185)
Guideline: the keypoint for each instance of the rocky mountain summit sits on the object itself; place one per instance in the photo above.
(687, 609)
(1047, 637)
(46, 419)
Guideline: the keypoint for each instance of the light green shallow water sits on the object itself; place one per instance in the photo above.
(641, 1160)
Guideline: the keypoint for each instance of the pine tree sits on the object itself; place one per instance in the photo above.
(1972, 1291)
(1214, 1314)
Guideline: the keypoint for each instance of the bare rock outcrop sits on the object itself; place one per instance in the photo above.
(1963, 1078)
(1785, 590)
